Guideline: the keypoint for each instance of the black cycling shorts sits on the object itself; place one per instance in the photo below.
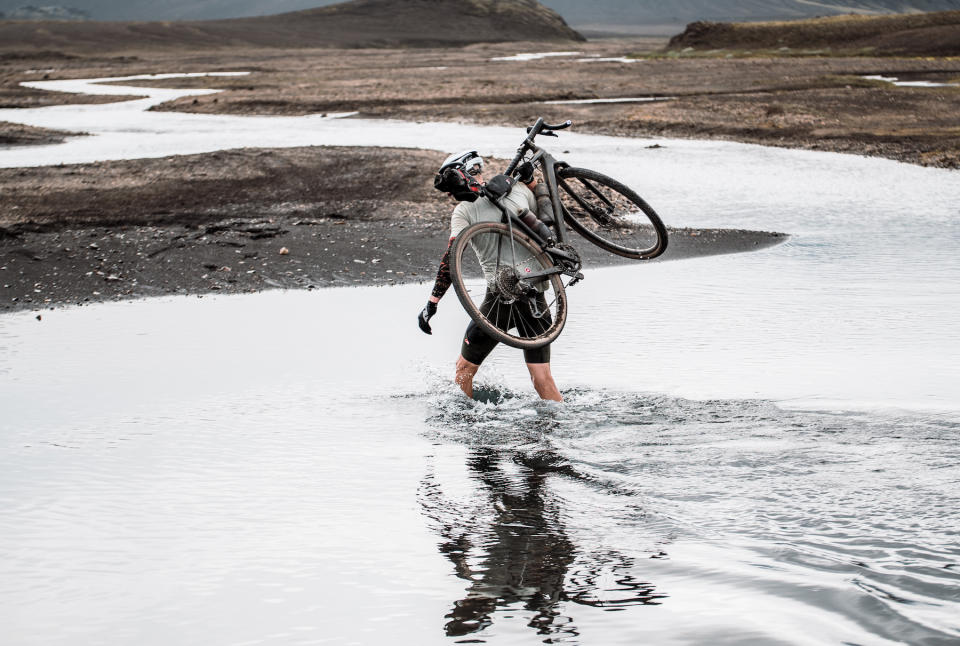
(477, 344)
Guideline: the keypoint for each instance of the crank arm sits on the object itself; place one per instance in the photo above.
(562, 255)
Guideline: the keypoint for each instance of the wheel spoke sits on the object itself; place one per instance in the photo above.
(610, 214)
(551, 303)
(500, 253)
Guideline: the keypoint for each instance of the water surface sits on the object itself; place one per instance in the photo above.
(756, 448)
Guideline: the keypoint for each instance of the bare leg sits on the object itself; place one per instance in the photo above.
(464, 376)
(543, 381)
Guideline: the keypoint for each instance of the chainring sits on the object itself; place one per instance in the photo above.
(569, 265)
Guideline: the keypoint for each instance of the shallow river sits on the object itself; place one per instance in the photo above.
(758, 448)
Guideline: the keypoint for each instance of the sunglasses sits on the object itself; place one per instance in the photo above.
(476, 170)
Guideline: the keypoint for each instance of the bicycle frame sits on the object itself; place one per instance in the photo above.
(534, 263)
(548, 167)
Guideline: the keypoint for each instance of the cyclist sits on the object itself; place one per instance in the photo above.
(461, 175)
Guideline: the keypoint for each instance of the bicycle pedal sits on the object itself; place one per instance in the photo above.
(576, 279)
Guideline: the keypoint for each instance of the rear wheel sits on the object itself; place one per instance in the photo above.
(610, 215)
(497, 293)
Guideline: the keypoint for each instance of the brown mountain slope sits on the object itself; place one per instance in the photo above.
(360, 23)
(925, 34)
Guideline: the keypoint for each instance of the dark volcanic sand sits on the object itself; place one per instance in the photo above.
(220, 222)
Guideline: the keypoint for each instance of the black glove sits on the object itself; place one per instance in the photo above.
(423, 320)
(525, 172)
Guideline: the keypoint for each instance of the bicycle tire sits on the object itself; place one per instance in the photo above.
(610, 214)
(473, 287)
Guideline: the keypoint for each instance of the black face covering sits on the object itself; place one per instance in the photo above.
(457, 183)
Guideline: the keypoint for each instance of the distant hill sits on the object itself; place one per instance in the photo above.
(622, 14)
(359, 23)
(625, 14)
(927, 34)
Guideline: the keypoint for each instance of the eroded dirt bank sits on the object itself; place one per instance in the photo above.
(240, 221)
(19, 134)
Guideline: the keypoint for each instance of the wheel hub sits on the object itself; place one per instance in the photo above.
(507, 283)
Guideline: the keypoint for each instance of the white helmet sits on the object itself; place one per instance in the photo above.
(466, 160)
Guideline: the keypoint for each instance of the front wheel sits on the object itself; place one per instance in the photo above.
(494, 272)
(610, 215)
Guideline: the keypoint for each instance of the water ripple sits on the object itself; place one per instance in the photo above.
(855, 508)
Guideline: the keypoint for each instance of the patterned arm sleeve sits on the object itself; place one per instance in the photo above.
(443, 281)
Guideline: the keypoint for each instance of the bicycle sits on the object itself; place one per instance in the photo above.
(524, 290)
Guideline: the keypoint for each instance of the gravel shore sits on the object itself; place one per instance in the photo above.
(817, 102)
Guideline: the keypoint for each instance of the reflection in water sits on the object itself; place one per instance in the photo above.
(515, 552)
(825, 516)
